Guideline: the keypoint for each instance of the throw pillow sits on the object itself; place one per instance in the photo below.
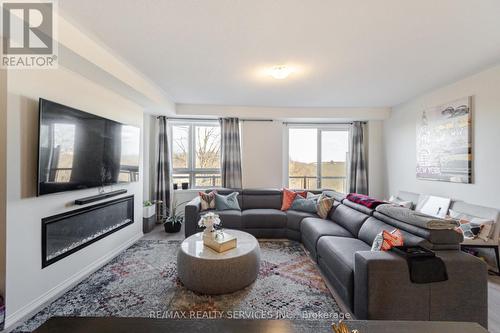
(385, 240)
(227, 202)
(473, 227)
(313, 196)
(207, 200)
(324, 205)
(467, 230)
(289, 197)
(304, 205)
(397, 201)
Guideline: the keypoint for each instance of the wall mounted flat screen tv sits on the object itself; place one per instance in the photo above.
(79, 150)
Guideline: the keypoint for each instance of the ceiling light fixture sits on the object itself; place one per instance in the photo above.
(280, 72)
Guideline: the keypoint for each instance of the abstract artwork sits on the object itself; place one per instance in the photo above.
(444, 142)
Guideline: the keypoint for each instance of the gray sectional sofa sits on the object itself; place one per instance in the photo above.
(374, 285)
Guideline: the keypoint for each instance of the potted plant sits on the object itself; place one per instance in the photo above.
(148, 216)
(173, 222)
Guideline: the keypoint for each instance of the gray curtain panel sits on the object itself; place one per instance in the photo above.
(231, 152)
(163, 184)
(358, 175)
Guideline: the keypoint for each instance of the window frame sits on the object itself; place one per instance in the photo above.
(191, 170)
(319, 128)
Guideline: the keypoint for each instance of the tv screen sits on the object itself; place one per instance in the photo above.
(79, 150)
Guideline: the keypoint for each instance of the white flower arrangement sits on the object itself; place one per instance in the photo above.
(208, 221)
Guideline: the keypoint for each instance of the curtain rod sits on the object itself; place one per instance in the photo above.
(306, 123)
(211, 119)
(263, 120)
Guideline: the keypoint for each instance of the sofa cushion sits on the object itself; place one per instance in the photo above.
(349, 218)
(336, 254)
(358, 207)
(261, 198)
(230, 218)
(372, 227)
(313, 228)
(332, 210)
(433, 236)
(263, 218)
(294, 218)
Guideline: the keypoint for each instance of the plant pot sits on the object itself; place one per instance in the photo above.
(172, 227)
(149, 211)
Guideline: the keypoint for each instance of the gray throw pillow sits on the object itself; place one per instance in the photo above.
(304, 205)
(227, 202)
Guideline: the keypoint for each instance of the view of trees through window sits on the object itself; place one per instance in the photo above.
(196, 154)
(318, 158)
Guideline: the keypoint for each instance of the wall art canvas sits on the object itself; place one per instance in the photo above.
(444, 142)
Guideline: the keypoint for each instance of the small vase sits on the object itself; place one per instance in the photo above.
(209, 227)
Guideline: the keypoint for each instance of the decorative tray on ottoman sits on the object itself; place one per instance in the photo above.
(219, 241)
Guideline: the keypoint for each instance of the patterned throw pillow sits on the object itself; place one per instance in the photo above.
(473, 227)
(385, 240)
(324, 205)
(289, 197)
(207, 200)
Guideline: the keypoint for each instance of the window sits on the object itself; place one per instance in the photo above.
(196, 154)
(318, 157)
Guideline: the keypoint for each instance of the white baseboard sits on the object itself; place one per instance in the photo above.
(30, 309)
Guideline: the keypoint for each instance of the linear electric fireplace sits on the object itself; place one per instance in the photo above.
(66, 233)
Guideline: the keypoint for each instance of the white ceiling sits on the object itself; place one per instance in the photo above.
(347, 52)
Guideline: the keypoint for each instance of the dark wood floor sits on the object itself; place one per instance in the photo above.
(133, 325)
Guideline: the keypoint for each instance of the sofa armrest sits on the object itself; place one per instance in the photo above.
(191, 216)
(383, 290)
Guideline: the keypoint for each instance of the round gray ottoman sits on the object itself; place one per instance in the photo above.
(206, 271)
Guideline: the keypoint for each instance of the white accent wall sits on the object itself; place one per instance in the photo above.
(28, 286)
(400, 141)
(262, 157)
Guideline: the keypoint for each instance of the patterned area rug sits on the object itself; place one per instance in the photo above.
(142, 282)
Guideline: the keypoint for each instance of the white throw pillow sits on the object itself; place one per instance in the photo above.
(397, 201)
